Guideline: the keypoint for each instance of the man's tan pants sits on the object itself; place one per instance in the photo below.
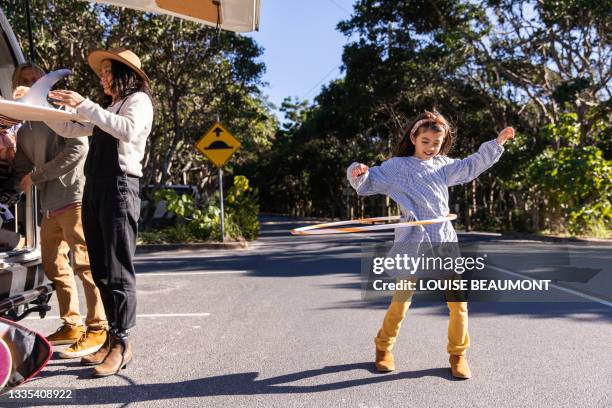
(59, 234)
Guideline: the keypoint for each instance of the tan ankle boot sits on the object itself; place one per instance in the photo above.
(460, 367)
(99, 356)
(119, 357)
(384, 361)
(67, 334)
(90, 342)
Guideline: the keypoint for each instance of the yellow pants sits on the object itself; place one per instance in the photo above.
(59, 234)
(458, 338)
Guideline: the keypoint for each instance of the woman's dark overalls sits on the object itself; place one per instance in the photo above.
(111, 207)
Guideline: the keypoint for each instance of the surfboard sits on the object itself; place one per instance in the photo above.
(34, 105)
(34, 113)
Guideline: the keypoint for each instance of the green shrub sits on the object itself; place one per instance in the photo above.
(243, 207)
(201, 223)
(573, 186)
(172, 234)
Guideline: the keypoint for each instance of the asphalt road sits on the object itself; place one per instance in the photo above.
(283, 324)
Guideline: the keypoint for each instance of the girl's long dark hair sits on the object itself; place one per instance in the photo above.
(127, 82)
(433, 121)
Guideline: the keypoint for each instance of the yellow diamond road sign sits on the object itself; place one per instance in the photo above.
(218, 144)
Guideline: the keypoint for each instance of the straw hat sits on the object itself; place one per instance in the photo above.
(123, 55)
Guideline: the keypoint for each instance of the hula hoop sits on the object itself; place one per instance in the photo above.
(322, 229)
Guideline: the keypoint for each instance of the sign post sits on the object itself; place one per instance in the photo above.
(221, 203)
(218, 145)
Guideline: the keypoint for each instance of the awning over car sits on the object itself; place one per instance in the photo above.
(235, 15)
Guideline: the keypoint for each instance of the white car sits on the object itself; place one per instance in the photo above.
(23, 285)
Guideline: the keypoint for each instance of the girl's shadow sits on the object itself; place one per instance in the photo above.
(368, 366)
(239, 384)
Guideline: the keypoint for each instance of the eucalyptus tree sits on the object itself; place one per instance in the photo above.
(60, 40)
(543, 67)
(197, 75)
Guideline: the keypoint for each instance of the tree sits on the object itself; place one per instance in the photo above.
(59, 38)
(484, 65)
(196, 74)
(553, 57)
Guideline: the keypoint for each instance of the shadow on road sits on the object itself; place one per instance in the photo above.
(244, 384)
(278, 254)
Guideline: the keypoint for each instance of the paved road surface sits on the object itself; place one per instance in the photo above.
(282, 324)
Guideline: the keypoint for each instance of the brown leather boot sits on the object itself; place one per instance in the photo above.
(99, 356)
(384, 361)
(460, 367)
(119, 357)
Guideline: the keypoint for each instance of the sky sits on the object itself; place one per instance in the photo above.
(302, 48)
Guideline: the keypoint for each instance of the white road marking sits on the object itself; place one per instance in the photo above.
(173, 315)
(561, 288)
(153, 315)
(189, 273)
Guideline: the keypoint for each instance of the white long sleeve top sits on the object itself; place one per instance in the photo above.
(129, 122)
(420, 187)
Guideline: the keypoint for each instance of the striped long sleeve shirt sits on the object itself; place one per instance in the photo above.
(420, 188)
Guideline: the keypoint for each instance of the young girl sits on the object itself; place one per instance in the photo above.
(417, 178)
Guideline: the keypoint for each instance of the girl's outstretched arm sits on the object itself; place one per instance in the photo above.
(372, 180)
(466, 170)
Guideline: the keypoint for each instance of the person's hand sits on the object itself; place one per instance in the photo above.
(66, 98)
(505, 135)
(20, 92)
(359, 170)
(26, 183)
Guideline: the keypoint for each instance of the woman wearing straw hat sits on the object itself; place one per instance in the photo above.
(111, 205)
